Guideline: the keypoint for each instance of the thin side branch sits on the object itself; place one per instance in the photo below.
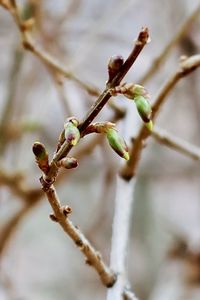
(187, 66)
(175, 143)
(29, 44)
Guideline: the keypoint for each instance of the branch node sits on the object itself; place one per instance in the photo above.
(66, 210)
(53, 217)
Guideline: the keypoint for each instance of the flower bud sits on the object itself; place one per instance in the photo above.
(144, 108)
(72, 134)
(41, 156)
(117, 143)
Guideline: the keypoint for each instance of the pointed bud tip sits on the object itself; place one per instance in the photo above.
(126, 156)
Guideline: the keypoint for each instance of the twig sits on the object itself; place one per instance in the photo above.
(186, 67)
(124, 193)
(100, 102)
(164, 54)
(30, 45)
(175, 143)
(56, 67)
(93, 257)
(107, 276)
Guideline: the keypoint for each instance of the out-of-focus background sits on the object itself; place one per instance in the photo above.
(38, 261)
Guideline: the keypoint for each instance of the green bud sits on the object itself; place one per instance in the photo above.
(149, 125)
(72, 134)
(144, 108)
(117, 143)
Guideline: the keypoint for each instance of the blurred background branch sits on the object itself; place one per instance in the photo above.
(74, 40)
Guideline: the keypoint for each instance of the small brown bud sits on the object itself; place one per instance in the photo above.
(68, 163)
(66, 210)
(88, 262)
(53, 217)
(27, 25)
(27, 46)
(114, 66)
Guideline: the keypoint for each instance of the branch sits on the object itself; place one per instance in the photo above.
(100, 102)
(29, 44)
(175, 143)
(186, 67)
(93, 257)
(124, 192)
(176, 38)
(107, 276)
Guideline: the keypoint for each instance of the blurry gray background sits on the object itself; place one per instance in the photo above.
(40, 261)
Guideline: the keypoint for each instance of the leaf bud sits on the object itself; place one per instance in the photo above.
(68, 163)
